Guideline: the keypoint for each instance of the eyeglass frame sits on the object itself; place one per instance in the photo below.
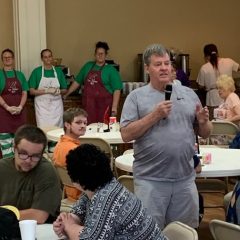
(27, 156)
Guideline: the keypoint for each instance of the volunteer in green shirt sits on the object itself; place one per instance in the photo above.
(102, 86)
(47, 83)
(13, 97)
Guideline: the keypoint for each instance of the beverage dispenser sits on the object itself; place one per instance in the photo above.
(184, 63)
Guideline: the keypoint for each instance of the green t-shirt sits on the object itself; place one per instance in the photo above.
(36, 76)
(10, 74)
(39, 188)
(110, 76)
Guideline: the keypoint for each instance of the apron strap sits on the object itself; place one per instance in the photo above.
(54, 71)
(5, 75)
(94, 66)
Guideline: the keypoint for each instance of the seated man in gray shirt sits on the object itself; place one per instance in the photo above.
(29, 181)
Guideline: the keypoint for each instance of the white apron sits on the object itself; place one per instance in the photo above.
(49, 108)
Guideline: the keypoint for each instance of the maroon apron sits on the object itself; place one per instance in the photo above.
(12, 94)
(96, 99)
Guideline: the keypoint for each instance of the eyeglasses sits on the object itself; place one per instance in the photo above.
(25, 156)
(7, 58)
(100, 54)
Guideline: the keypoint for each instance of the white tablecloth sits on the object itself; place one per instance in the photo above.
(45, 232)
(225, 162)
(110, 137)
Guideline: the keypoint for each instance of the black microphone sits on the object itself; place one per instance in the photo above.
(168, 91)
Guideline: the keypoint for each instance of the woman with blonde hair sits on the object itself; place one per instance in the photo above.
(230, 109)
(214, 67)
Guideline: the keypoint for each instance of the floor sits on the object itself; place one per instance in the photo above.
(211, 213)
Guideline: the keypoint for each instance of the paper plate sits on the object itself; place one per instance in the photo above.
(13, 209)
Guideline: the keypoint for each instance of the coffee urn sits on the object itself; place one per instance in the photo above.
(184, 63)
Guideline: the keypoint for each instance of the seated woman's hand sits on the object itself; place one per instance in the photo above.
(58, 226)
(72, 226)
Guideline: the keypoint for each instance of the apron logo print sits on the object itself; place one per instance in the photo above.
(12, 87)
(92, 79)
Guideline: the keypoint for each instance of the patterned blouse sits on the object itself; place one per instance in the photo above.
(115, 213)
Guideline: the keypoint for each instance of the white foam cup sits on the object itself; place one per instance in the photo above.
(28, 229)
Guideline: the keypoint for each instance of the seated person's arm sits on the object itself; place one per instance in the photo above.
(198, 169)
(236, 110)
(47, 194)
(36, 214)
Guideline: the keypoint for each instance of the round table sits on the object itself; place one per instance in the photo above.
(111, 137)
(225, 162)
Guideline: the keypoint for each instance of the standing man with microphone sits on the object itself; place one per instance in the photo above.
(162, 122)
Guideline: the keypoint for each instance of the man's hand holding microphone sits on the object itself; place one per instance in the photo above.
(164, 108)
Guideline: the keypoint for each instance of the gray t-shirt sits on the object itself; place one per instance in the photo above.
(165, 151)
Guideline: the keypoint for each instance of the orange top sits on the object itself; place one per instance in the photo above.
(64, 145)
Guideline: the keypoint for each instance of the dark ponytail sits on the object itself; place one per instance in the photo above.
(210, 50)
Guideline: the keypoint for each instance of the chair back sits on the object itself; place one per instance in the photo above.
(224, 127)
(128, 151)
(49, 128)
(180, 231)
(101, 143)
(223, 132)
(127, 181)
(66, 204)
(223, 230)
(64, 177)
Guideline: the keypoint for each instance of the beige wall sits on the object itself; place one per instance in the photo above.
(74, 26)
(6, 25)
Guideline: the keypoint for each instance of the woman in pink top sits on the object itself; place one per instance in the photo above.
(230, 108)
(214, 67)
